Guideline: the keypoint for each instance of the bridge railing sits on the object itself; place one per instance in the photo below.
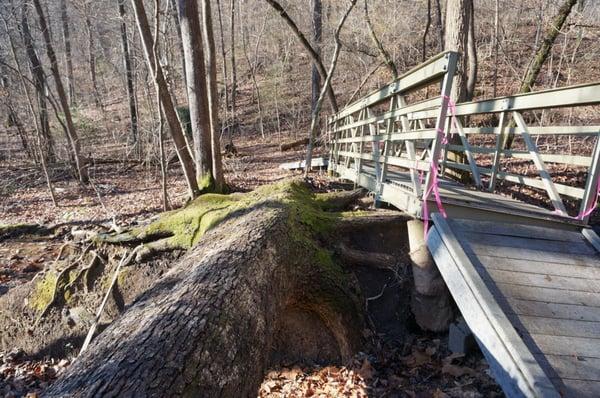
(394, 130)
(392, 141)
(554, 156)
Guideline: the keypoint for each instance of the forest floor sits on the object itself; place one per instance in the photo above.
(129, 194)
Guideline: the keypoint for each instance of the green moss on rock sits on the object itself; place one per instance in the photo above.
(43, 292)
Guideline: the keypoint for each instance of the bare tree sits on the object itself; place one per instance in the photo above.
(317, 22)
(166, 102)
(233, 98)
(457, 34)
(40, 85)
(542, 53)
(130, 83)
(307, 46)
(314, 124)
(197, 92)
(387, 58)
(213, 96)
(62, 96)
(424, 37)
(472, 56)
(64, 17)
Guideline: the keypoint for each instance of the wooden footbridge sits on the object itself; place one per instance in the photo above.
(511, 240)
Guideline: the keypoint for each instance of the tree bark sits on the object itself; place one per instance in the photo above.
(457, 34)
(181, 147)
(197, 92)
(472, 55)
(207, 328)
(64, 16)
(62, 96)
(133, 113)
(311, 51)
(213, 96)
(92, 58)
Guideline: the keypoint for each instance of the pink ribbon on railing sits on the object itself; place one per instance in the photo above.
(584, 213)
(434, 188)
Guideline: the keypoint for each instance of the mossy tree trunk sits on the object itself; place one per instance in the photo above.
(257, 267)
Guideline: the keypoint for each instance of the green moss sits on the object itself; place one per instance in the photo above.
(42, 294)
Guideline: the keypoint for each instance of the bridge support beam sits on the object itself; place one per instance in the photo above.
(430, 301)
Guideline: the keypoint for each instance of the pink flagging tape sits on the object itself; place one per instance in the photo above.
(592, 207)
(434, 188)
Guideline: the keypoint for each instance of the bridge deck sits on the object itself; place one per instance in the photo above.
(530, 295)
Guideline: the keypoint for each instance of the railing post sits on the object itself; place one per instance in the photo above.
(441, 119)
(591, 185)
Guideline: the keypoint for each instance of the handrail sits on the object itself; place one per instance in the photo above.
(368, 143)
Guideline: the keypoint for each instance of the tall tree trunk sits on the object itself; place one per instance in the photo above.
(197, 90)
(133, 113)
(180, 41)
(439, 24)
(424, 37)
(458, 14)
(224, 61)
(40, 84)
(92, 59)
(317, 21)
(64, 16)
(472, 55)
(457, 34)
(62, 96)
(314, 124)
(387, 58)
(311, 51)
(233, 98)
(183, 153)
(496, 45)
(213, 96)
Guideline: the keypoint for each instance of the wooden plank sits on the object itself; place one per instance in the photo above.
(556, 327)
(529, 245)
(529, 279)
(316, 162)
(484, 316)
(553, 310)
(562, 345)
(573, 388)
(573, 367)
(591, 236)
(519, 230)
(540, 267)
(549, 295)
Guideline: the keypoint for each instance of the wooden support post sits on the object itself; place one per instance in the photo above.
(430, 301)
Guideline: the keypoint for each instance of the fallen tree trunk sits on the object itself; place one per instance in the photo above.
(286, 146)
(254, 289)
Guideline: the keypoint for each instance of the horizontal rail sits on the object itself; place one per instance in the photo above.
(434, 68)
(427, 104)
(584, 94)
(566, 190)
